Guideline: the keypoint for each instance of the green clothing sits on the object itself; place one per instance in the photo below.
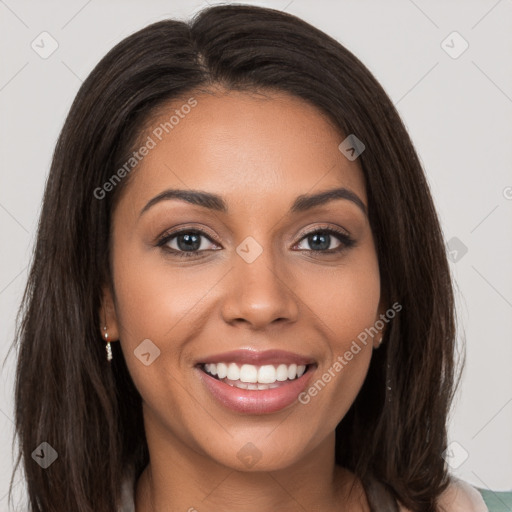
(497, 501)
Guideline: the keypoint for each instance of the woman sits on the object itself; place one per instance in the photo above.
(237, 213)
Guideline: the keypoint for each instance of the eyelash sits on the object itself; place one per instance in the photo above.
(346, 241)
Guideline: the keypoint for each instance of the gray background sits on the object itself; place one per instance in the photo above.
(457, 110)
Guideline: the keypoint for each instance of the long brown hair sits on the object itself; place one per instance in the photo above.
(67, 394)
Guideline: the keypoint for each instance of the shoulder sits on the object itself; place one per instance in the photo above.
(459, 496)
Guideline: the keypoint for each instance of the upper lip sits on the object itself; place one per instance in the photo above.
(247, 356)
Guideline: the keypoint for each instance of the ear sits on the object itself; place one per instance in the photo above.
(377, 339)
(107, 315)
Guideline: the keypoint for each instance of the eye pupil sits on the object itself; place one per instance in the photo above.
(324, 243)
(191, 241)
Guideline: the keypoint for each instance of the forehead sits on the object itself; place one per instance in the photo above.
(250, 148)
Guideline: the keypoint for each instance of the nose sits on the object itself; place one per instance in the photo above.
(259, 293)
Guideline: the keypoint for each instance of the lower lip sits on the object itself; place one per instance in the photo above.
(256, 402)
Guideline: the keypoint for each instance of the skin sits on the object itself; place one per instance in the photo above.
(259, 153)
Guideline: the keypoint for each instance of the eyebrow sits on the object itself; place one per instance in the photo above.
(215, 202)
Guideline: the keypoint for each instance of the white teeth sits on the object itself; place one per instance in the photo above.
(211, 368)
(249, 373)
(282, 373)
(244, 385)
(222, 370)
(255, 377)
(266, 374)
(233, 372)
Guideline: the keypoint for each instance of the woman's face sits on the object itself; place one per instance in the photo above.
(240, 289)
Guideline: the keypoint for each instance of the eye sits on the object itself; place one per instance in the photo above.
(190, 242)
(321, 239)
(184, 243)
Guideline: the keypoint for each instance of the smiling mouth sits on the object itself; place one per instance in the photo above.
(255, 377)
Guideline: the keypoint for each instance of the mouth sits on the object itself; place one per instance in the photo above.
(255, 378)
(256, 382)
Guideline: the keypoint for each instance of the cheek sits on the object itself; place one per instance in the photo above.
(346, 301)
(160, 308)
(155, 300)
(152, 304)
(345, 298)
